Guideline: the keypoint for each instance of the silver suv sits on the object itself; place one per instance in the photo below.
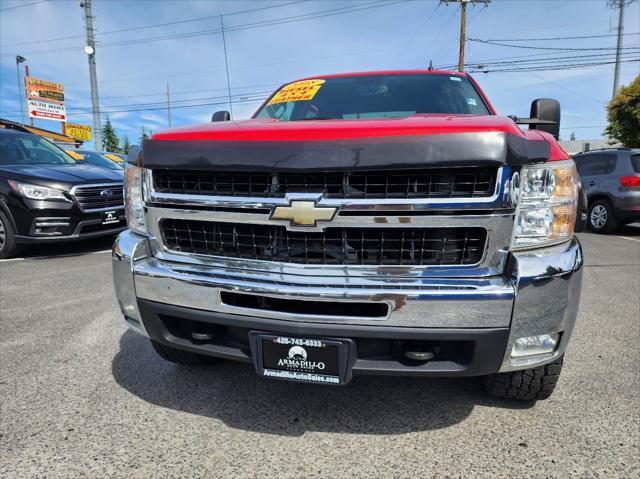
(611, 179)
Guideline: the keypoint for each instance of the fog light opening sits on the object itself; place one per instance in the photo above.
(534, 345)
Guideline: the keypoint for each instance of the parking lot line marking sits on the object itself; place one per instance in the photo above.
(627, 238)
(103, 251)
(11, 259)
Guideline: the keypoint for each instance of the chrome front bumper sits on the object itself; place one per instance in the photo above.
(539, 294)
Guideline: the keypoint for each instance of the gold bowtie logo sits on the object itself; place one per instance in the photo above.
(303, 213)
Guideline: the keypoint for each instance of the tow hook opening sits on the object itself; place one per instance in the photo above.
(417, 352)
(195, 331)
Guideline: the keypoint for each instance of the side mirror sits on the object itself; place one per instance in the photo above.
(547, 111)
(221, 116)
(545, 116)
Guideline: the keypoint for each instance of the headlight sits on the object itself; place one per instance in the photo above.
(133, 200)
(547, 201)
(35, 192)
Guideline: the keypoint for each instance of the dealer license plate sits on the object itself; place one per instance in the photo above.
(324, 361)
(110, 217)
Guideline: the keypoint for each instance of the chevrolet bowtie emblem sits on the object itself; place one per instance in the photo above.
(303, 213)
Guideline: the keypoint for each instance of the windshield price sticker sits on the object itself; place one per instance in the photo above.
(298, 91)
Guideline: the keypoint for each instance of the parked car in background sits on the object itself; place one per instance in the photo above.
(47, 196)
(95, 158)
(611, 179)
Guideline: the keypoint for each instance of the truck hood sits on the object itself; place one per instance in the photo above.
(310, 130)
(60, 176)
(321, 145)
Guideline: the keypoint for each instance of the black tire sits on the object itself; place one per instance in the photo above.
(8, 246)
(526, 385)
(185, 358)
(601, 217)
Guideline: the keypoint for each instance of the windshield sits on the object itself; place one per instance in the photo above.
(28, 149)
(379, 96)
(95, 158)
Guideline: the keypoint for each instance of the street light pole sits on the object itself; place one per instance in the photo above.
(90, 50)
(19, 60)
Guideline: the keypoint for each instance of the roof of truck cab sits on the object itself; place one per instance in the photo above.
(387, 72)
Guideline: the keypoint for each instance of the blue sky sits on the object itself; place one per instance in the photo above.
(134, 66)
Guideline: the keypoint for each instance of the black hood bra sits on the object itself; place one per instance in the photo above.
(402, 152)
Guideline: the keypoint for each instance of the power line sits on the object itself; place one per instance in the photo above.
(498, 44)
(182, 92)
(251, 67)
(157, 25)
(269, 22)
(554, 67)
(481, 64)
(554, 38)
(21, 5)
(565, 88)
(164, 107)
(247, 26)
(415, 35)
(161, 105)
(583, 126)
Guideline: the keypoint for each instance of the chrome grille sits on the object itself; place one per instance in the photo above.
(462, 182)
(333, 246)
(92, 198)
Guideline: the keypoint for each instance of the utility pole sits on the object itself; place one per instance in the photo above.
(168, 105)
(19, 60)
(463, 34)
(616, 74)
(90, 50)
(226, 65)
(463, 25)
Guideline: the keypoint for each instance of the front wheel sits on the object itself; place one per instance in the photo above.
(526, 385)
(8, 246)
(601, 217)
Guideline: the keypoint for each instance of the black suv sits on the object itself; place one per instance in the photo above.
(611, 179)
(45, 195)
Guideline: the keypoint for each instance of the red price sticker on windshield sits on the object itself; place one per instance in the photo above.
(297, 91)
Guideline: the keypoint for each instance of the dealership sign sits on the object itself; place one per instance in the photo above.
(79, 132)
(47, 111)
(45, 99)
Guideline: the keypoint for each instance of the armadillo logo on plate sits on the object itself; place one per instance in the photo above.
(297, 91)
(297, 360)
(298, 352)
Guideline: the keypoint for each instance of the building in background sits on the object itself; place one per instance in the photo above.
(573, 147)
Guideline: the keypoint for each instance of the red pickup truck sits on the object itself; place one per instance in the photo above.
(367, 223)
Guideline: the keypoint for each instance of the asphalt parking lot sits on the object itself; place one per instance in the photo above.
(83, 397)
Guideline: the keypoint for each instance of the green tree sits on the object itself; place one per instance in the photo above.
(624, 115)
(125, 145)
(143, 135)
(110, 140)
